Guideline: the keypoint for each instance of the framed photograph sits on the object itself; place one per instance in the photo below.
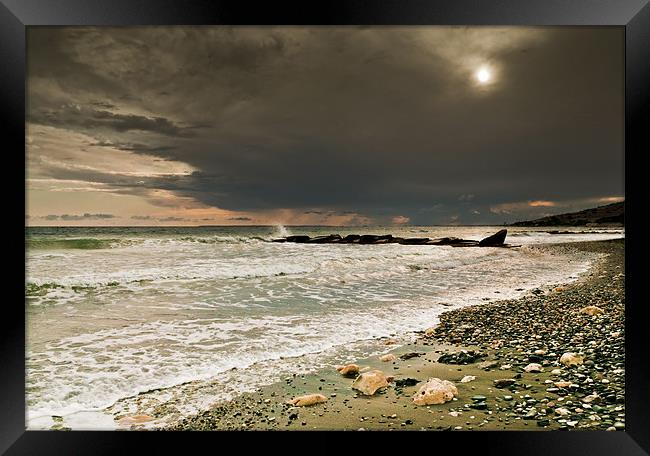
(360, 216)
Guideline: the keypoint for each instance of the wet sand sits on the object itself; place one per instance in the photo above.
(505, 337)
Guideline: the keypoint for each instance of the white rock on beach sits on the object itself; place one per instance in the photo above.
(308, 399)
(467, 379)
(435, 391)
(369, 383)
(572, 359)
(388, 357)
(592, 310)
(349, 370)
(533, 367)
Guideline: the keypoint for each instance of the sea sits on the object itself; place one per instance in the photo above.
(167, 321)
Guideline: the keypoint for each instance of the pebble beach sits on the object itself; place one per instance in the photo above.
(552, 360)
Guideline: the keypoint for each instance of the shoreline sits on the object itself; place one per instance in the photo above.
(589, 396)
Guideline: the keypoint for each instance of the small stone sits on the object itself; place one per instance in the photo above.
(430, 331)
(387, 358)
(435, 391)
(504, 382)
(407, 356)
(561, 411)
(592, 310)
(369, 383)
(467, 378)
(533, 367)
(532, 413)
(308, 399)
(572, 359)
(349, 370)
(487, 365)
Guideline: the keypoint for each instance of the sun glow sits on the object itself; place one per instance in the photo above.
(483, 76)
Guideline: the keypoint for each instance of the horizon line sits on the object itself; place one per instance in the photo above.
(253, 226)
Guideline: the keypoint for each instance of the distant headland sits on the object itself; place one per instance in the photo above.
(608, 215)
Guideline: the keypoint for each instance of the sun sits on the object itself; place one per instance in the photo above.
(483, 76)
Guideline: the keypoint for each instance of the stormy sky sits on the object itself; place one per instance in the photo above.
(321, 125)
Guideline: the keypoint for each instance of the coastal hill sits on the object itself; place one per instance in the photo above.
(611, 214)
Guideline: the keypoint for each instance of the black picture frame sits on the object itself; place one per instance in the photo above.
(633, 15)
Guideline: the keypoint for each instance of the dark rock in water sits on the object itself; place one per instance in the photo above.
(452, 241)
(414, 241)
(406, 382)
(375, 239)
(325, 239)
(461, 357)
(444, 241)
(279, 240)
(497, 238)
(368, 239)
(406, 356)
(297, 238)
(465, 243)
(350, 238)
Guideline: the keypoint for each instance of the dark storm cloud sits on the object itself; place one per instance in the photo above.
(135, 147)
(89, 119)
(376, 121)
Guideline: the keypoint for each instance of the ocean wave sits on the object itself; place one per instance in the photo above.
(36, 289)
(78, 243)
(276, 261)
(219, 239)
